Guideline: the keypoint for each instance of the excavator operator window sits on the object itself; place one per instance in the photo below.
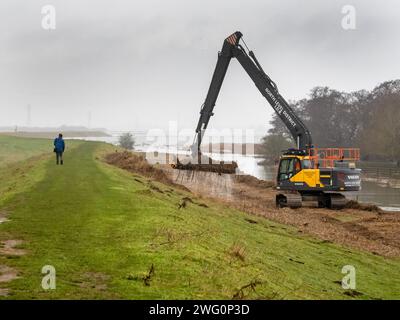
(285, 168)
(307, 164)
(288, 168)
(297, 165)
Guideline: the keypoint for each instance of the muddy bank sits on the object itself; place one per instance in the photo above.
(360, 226)
(209, 184)
(136, 163)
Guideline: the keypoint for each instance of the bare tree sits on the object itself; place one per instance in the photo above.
(272, 147)
(366, 119)
(127, 141)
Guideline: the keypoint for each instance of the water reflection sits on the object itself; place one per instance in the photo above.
(374, 193)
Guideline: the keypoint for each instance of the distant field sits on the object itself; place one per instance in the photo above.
(52, 135)
(13, 149)
(113, 234)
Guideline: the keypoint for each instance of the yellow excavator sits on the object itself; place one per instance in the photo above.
(305, 173)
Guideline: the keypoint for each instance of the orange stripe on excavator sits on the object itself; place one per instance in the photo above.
(232, 39)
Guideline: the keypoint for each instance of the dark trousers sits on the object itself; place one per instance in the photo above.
(59, 157)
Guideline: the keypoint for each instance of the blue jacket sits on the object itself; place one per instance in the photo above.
(59, 144)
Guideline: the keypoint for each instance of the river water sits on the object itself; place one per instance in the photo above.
(385, 197)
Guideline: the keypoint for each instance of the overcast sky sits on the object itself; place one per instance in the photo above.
(140, 64)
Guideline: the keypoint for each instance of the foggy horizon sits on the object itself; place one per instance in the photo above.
(138, 66)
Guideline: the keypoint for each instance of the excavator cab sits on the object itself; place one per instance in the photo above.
(320, 175)
(289, 167)
(291, 164)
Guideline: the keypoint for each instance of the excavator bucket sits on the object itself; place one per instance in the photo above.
(208, 166)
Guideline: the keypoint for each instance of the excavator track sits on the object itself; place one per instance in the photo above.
(291, 200)
(335, 201)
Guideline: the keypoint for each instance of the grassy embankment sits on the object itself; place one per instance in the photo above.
(111, 234)
(52, 134)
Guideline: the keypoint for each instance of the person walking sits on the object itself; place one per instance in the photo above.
(59, 148)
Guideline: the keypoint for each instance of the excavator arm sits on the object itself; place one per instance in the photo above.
(232, 49)
(321, 183)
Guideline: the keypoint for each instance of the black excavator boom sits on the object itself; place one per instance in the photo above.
(232, 48)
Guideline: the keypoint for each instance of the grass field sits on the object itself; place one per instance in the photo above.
(14, 149)
(110, 234)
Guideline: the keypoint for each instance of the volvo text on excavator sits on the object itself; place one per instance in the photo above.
(304, 173)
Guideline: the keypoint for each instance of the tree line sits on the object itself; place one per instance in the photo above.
(369, 120)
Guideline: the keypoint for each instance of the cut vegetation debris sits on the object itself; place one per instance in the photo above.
(254, 182)
(211, 166)
(137, 164)
(112, 224)
(361, 206)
